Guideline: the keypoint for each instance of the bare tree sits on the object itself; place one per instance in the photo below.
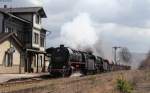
(125, 55)
(145, 64)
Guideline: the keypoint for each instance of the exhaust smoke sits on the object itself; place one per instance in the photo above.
(81, 34)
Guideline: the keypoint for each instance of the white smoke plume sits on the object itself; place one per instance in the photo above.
(85, 34)
(79, 33)
(82, 34)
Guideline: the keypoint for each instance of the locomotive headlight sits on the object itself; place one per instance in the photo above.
(64, 67)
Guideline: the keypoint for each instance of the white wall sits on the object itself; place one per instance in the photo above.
(4, 47)
(39, 26)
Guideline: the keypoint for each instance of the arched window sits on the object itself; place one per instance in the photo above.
(8, 59)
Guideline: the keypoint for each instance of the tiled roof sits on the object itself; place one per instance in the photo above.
(25, 9)
(4, 36)
(13, 16)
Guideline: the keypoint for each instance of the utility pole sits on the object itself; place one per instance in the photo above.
(115, 53)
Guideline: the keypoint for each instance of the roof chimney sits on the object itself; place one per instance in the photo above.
(5, 6)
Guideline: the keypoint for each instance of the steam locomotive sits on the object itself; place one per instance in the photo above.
(64, 61)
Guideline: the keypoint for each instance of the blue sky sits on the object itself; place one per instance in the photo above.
(123, 23)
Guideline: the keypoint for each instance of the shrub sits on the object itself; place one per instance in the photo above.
(124, 86)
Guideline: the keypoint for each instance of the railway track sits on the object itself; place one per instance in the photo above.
(26, 80)
(35, 83)
(36, 79)
(49, 84)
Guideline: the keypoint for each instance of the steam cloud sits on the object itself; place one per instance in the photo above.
(79, 33)
(82, 34)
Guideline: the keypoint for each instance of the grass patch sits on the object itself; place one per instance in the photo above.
(124, 86)
(92, 79)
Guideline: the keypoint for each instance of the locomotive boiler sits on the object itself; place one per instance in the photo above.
(65, 60)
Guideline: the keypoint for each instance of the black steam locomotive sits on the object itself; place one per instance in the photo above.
(64, 61)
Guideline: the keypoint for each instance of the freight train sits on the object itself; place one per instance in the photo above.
(65, 61)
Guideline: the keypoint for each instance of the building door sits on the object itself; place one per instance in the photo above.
(28, 63)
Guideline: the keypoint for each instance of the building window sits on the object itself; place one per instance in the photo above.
(27, 36)
(8, 59)
(20, 35)
(38, 19)
(36, 38)
(8, 29)
(42, 41)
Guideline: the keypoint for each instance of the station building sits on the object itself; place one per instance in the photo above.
(22, 40)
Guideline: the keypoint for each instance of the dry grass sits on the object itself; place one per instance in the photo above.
(102, 83)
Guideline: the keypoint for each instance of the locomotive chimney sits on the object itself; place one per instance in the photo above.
(62, 46)
(5, 6)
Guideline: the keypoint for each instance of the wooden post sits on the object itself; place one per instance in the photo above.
(37, 63)
(44, 63)
(20, 62)
(26, 61)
